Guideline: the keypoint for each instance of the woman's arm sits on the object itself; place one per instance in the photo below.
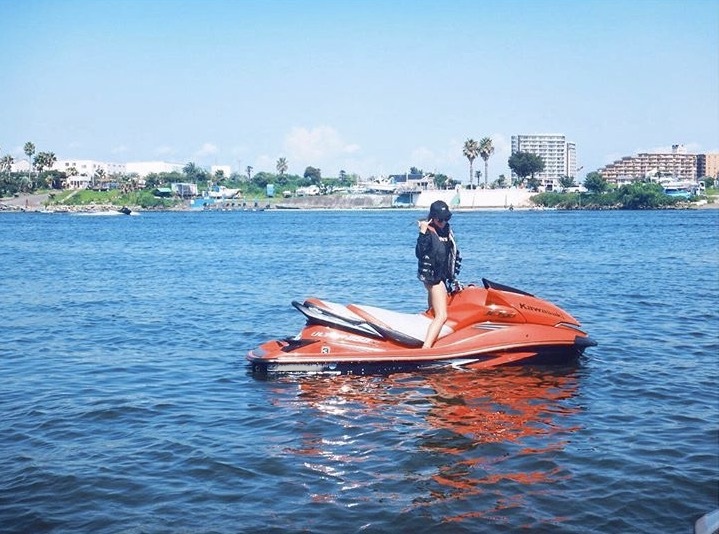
(424, 244)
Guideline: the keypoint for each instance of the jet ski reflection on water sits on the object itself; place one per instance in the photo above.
(486, 327)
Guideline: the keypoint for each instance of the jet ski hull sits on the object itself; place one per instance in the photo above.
(263, 362)
(487, 327)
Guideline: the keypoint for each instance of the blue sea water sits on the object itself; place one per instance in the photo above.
(126, 404)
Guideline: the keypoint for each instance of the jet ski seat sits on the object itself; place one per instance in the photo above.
(408, 329)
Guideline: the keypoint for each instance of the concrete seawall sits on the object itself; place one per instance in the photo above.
(456, 199)
(478, 198)
(337, 202)
(461, 199)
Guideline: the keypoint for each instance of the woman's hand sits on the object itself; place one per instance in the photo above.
(423, 225)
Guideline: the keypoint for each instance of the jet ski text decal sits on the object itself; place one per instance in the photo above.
(524, 306)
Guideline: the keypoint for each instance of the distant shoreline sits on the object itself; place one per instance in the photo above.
(31, 203)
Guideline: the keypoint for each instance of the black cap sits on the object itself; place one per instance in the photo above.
(439, 210)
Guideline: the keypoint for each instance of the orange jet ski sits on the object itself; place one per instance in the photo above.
(486, 327)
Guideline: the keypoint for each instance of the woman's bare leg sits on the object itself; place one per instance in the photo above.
(438, 302)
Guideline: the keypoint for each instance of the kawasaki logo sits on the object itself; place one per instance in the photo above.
(524, 306)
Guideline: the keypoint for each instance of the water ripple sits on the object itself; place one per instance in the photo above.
(127, 405)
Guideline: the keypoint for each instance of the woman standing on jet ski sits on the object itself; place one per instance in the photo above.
(439, 263)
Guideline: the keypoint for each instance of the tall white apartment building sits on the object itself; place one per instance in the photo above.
(559, 156)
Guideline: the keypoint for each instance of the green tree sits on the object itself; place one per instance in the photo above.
(261, 179)
(56, 179)
(129, 183)
(470, 151)
(500, 182)
(449, 183)
(595, 183)
(219, 176)
(525, 164)
(282, 166)
(442, 181)
(153, 181)
(533, 183)
(565, 182)
(156, 180)
(486, 149)
(314, 175)
(638, 196)
(193, 173)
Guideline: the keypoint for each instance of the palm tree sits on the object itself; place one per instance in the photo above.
(282, 166)
(486, 149)
(6, 163)
(470, 151)
(44, 160)
(193, 172)
(29, 150)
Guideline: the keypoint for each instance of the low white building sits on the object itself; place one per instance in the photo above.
(184, 190)
(82, 172)
(309, 191)
(21, 165)
(143, 168)
(78, 167)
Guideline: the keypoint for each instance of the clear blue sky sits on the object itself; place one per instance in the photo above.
(368, 87)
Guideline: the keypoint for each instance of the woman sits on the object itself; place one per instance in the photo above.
(438, 264)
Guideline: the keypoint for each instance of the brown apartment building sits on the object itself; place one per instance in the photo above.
(678, 164)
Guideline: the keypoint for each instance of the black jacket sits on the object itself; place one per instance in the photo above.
(438, 258)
